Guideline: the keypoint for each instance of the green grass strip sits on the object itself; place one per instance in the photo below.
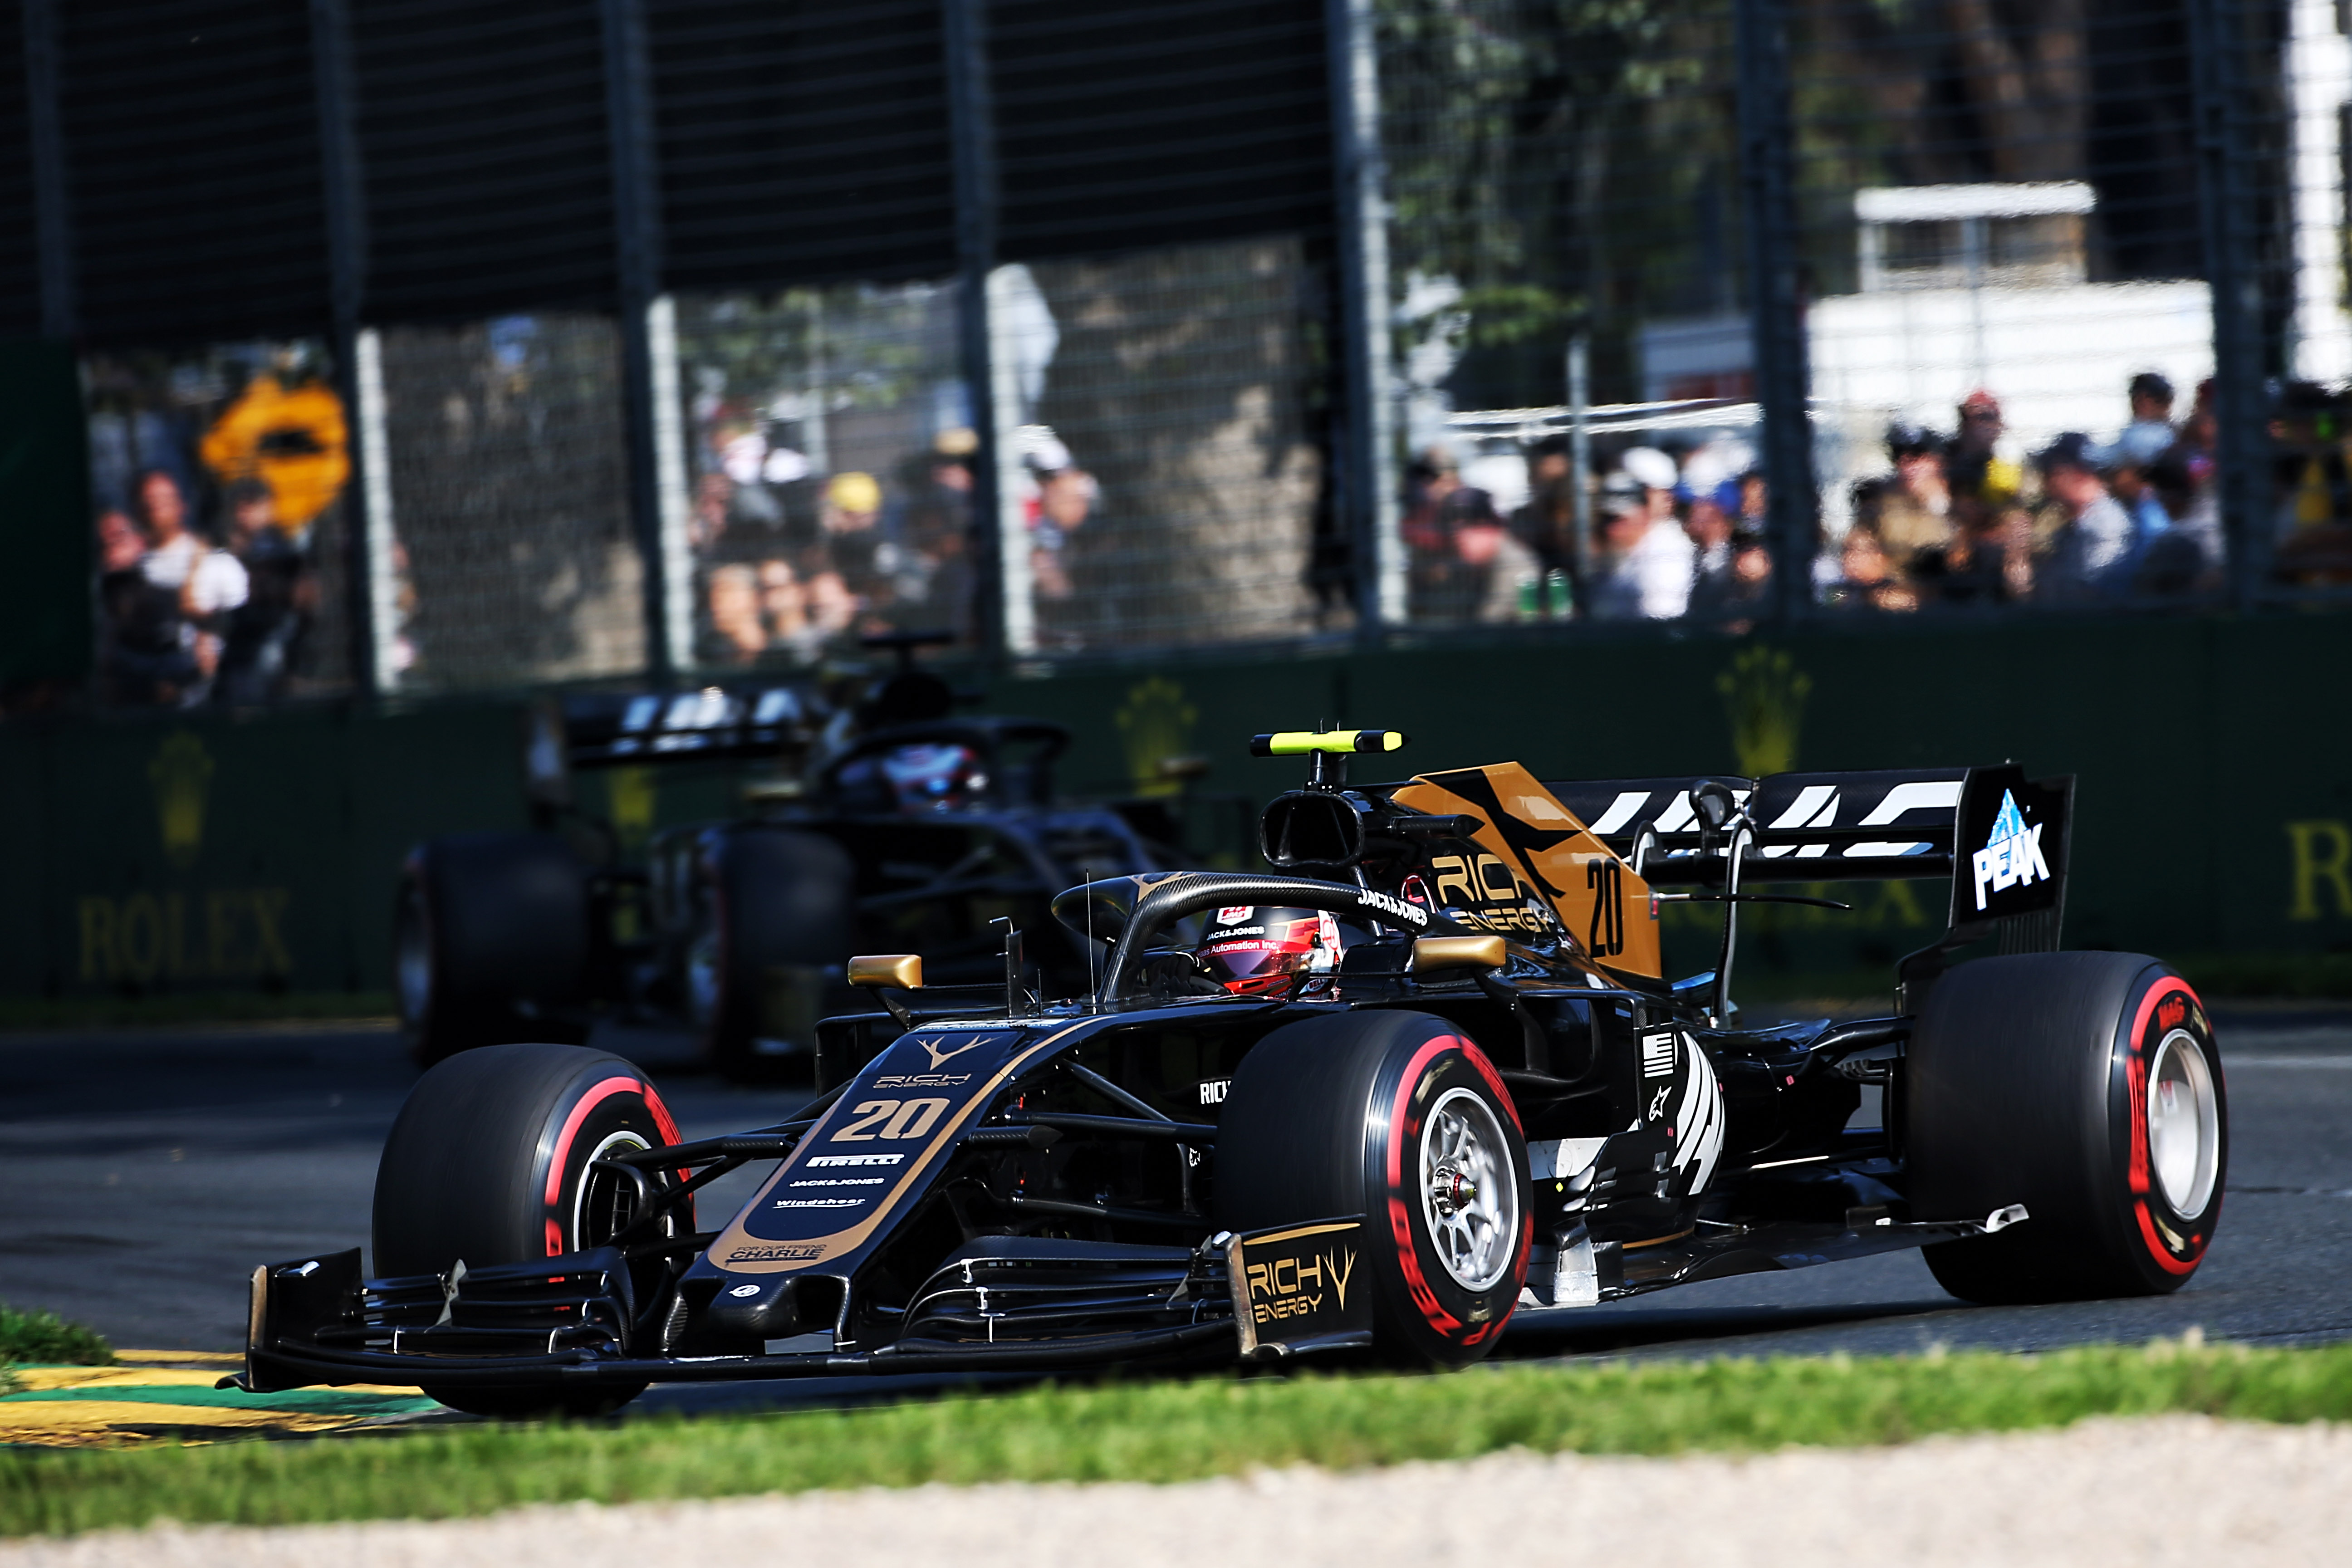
(44, 1337)
(1164, 1431)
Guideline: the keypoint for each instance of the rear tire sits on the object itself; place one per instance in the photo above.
(490, 937)
(488, 1162)
(777, 926)
(1368, 1113)
(2088, 1087)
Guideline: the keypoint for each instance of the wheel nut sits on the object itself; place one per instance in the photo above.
(1451, 1189)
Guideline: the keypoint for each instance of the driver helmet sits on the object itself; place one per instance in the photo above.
(925, 778)
(1255, 948)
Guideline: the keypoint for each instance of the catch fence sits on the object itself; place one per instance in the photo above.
(599, 340)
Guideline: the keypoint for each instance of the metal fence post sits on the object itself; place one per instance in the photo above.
(52, 217)
(657, 500)
(1368, 478)
(1783, 380)
(2225, 198)
(1005, 616)
(1579, 456)
(369, 587)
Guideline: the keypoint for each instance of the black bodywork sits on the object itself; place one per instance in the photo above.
(738, 926)
(1045, 1186)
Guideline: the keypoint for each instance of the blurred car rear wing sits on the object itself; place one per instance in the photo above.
(603, 728)
(2002, 837)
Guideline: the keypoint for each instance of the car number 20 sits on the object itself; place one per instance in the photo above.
(872, 1119)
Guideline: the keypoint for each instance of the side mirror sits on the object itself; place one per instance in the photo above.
(900, 971)
(1432, 953)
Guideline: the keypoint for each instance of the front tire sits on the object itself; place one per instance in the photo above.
(1397, 1117)
(489, 1162)
(2086, 1086)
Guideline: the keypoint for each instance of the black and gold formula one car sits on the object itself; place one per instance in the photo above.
(1422, 1073)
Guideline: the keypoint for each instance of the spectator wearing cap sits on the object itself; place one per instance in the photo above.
(1444, 587)
(2151, 434)
(1730, 568)
(848, 566)
(1647, 558)
(1973, 463)
(1656, 474)
(2090, 552)
(1914, 515)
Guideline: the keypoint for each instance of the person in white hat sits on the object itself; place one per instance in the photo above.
(1654, 562)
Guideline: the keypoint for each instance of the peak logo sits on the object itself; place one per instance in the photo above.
(2011, 857)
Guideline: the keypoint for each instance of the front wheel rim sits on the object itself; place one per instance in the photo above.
(2184, 1124)
(605, 1204)
(1469, 1190)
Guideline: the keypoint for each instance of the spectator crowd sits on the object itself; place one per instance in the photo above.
(207, 581)
(208, 590)
(1953, 520)
(791, 559)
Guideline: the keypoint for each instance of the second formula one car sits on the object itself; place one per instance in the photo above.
(1420, 1074)
(915, 827)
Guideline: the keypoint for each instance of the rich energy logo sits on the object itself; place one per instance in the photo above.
(1294, 1286)
(2012, 857)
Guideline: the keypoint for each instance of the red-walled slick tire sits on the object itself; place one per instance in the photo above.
(1400, 1118)
(488, 1162)
(2086, 1086)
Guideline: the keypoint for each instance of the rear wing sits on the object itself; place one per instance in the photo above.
(603, 729)
(2001, 838)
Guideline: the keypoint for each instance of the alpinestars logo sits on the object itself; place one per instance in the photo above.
(2012, 857)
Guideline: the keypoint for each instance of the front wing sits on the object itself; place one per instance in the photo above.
(571, 1320)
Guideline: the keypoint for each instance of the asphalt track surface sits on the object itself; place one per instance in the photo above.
(146, 1174)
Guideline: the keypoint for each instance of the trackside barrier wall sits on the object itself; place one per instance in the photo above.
(2213, 808)
(2213, 811)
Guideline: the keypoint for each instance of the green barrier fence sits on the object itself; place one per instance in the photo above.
(2214, 812)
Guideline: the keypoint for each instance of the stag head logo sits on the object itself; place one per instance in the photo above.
(1764, 696)
(181, 775)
